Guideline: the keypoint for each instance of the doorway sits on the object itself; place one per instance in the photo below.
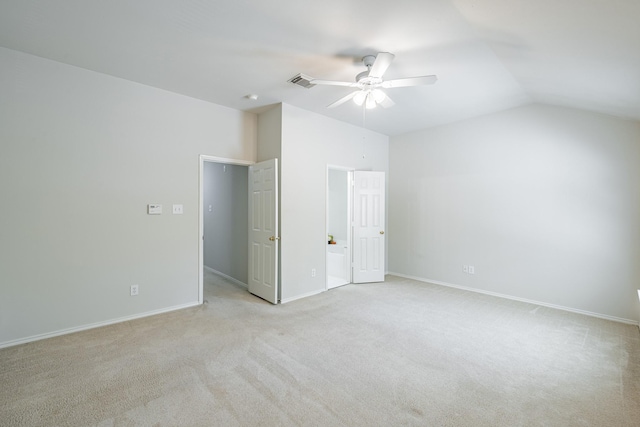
(338, 256)
(355, 226)
(223, 219)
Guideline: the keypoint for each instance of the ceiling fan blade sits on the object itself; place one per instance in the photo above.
(382, 62)
(332, 83)
(410, 81)
(387, 102)
(343, 99)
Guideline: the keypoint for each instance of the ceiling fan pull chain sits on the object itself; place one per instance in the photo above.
(364, 115)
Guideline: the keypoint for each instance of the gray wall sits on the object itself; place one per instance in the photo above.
(543, 201)
(83, 154)
(225, 213)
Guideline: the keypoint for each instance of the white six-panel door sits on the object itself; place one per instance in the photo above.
(368, 226)
(263, 230)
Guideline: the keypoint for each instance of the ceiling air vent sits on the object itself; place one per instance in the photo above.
(302, 80)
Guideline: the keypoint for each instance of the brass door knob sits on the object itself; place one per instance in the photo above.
(274, 238)
(381, 232)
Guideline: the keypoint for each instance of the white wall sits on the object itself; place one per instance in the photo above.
(338, 199)
(225, 218)
(270, 134)
(82, 155)
(310, 142)
(543, 201)
(269, 146)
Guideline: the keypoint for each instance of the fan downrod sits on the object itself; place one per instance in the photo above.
(368, 62)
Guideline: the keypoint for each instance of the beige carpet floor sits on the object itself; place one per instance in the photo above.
(399, 353)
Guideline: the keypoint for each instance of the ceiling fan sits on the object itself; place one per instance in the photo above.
(370, 83)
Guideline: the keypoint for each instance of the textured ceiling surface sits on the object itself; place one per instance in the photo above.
(489, 55)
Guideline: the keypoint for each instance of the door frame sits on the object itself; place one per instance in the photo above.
(212, 159)
(349, 221)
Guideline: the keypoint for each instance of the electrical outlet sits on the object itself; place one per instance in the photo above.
(313, 272)
(178, 210)
(465, 268)
(472, 269)
(134, 290)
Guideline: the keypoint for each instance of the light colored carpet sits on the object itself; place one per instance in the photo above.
(399, 353)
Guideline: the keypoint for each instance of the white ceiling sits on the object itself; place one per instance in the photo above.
(489, 55)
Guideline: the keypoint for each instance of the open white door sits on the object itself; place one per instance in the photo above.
(368, 227)
(263, 230)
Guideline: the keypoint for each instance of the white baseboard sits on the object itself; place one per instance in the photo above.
(495, 294)
(94, 325)
(286, 300)
(226, 276)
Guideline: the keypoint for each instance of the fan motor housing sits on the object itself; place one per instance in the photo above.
(369, 60)
(364, 80)
(363, 77)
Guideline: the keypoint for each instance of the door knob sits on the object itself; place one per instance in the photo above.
(274, 238)
(381, 232)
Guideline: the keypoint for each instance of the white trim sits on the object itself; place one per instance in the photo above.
(95, 325)
(226, 276)
(544, 304)
(340, 168)
(309, 294)
(226, 161)
(205, 158)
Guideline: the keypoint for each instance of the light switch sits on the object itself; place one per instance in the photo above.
(154, 209)
(177, 209)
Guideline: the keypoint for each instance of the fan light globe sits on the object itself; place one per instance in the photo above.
(378, 95)
(371, 102)
(359, 98)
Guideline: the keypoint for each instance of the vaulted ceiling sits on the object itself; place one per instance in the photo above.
(489, 55)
